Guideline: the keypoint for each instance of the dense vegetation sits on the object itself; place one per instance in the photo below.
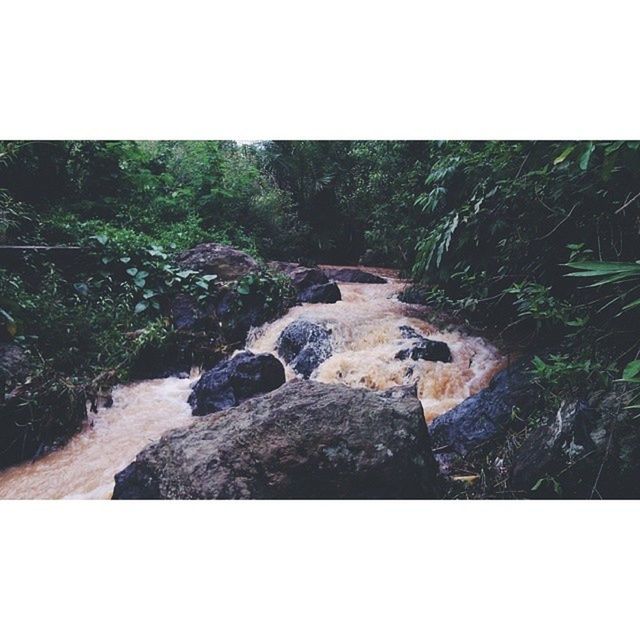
(537, 242)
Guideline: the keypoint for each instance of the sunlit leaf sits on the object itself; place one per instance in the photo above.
(565, 154)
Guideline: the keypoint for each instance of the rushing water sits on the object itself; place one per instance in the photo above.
(365, 338)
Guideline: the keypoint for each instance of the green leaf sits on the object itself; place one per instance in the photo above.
(242, 289)
(537, 485)
(132, 271)
(586, 156)
(565, 154)
(631, 305)
(631, 370)
(141, 306)
(125, 259)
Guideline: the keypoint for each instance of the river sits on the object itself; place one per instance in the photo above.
(365, 336)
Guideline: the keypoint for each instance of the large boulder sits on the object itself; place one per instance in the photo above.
(416, 294)
(188, 315)
(590, 450)
(284, 267)
(422, 348)
(311, 283)
(226, 312)
(304, 346)
(304, 440)
(352, 274)
(483, 417)
(326, 293)
(219, 259)
(238, 313)
(235, 380)
(305, 277)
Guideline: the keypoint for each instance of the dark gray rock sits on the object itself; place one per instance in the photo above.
(483, 417)
(401, 391)
(352, 274)
(237, 314)
(219, 259)
(409, 333)
(590, 450)
(416, 294)
(185, 313)
(373, 258)
(284, 267)
(310, 283)
(326, 293)
(423, 348)
(305, 440)
(234, 380)
(304, 346)
(305, 277)
(13, 362)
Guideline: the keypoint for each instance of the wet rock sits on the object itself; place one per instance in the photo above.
(423, 348)
(186, 314)
(590, 450)
(352, 274)
(304, 346)
(227, 313)
(13, 362)
(305, 277)
(326, 293)
(284, 267)
(409, 333)
(305, 440)
(238, 316)
(483, 417)
(401, 391)
(311, 283)
(219, 259)
(416, 294)
(234, 380)
(371, 258)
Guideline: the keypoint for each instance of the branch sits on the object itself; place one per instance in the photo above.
(626, 204)
(560, 223)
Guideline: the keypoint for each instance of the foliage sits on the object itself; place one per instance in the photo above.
(147, 272)
(626, 274)
(43, 411)
(533, 301)
(631, 375)
(568, 374)
(270, 291)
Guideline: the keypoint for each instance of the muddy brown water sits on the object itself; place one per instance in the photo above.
(366, 337)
